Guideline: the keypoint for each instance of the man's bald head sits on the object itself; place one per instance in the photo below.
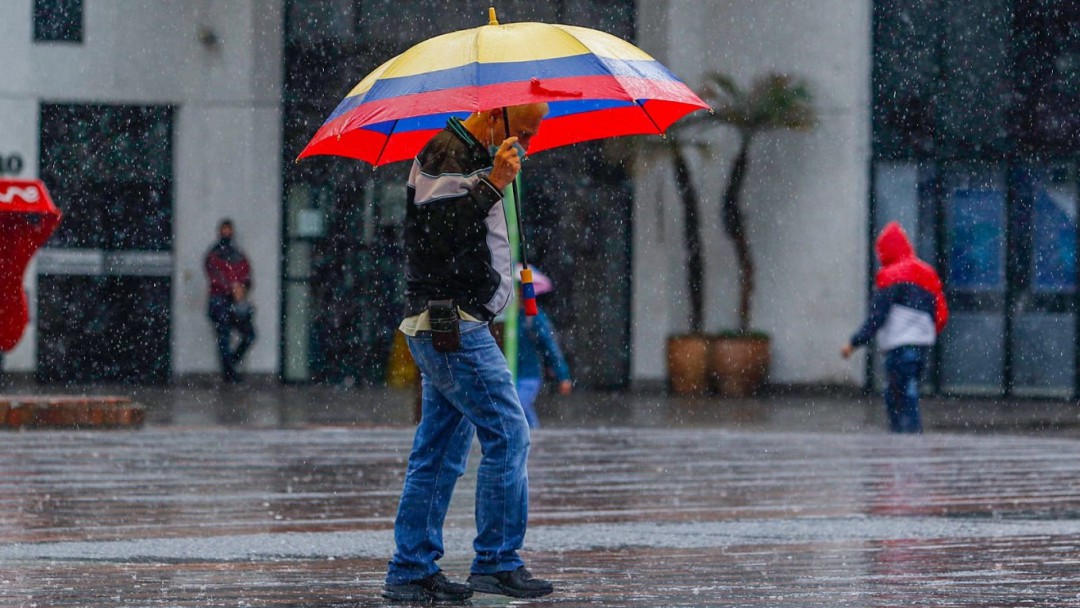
(488, 127)
(524, 122)
(530, 111)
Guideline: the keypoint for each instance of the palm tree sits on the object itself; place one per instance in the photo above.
(773, 101)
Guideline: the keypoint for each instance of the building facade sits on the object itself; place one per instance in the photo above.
(976, 138)
(806, 194)
(148, 121)
(152, 120)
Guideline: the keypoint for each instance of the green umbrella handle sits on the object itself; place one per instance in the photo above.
(528, 293)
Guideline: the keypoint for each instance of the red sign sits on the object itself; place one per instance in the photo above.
(27, 218)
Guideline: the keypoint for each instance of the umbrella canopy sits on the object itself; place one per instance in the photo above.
(596, 85)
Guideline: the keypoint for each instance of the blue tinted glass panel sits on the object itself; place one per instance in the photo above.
(1051, 194)
(976, 230)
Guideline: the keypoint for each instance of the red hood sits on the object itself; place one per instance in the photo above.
(893, 245)
(900, 265)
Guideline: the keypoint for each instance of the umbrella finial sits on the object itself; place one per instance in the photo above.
(492, 20)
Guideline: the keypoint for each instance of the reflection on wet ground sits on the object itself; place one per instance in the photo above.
(621, 516)
(267, 403)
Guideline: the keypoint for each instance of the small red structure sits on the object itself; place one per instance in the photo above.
(27, 218)
(19, 412)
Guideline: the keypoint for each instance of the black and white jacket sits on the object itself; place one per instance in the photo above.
(456, 239)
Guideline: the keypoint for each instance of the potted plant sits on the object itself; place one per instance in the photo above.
(688, 354)
(740, 358)
(736, 361)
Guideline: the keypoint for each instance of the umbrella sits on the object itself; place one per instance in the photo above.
(596, 86)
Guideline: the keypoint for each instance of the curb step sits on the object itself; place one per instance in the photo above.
(69, 412)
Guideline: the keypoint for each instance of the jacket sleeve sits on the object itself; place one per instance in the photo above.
(549, 347)
(441, 179)
(879, 311)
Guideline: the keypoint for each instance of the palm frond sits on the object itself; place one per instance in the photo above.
(773, 101)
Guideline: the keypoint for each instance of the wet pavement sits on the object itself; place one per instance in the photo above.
(284, 496)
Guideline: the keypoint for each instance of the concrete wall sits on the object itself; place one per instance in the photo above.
(227, 133)
(806, 196)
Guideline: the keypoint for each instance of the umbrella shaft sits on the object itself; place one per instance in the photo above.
(517, 199)
(520, 226)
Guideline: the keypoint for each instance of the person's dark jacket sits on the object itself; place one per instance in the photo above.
(226, 266)
(456, 239)
(908, 307)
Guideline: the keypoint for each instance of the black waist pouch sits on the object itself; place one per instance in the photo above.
(445, 329)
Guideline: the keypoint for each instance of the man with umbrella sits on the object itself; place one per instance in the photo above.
(458, 257)
(458, 276)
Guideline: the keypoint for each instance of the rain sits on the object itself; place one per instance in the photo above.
(764, 409)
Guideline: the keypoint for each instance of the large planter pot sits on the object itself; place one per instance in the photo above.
(688, 364)
(738, 365)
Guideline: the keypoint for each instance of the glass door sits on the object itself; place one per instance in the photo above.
(105, 278)
(1043, 336)
(973, 345)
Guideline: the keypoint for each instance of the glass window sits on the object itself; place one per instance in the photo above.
(1049, 195)
(58, 20)
(1043, 352)
(318, 21)
(973, 353)
(976, 77)
(907, 38)
(110, 169)
(904, 193)
(976, 228)
(1048, 75)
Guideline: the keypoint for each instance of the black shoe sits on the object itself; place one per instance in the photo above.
(516, 583)
(435, 588)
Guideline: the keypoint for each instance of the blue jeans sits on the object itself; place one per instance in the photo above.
(463, 392)
(528, 390)
(226, 321)
(903, 371)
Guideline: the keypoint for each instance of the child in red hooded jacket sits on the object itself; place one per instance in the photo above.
(907, 313)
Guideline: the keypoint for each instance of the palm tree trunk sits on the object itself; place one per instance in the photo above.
(736, 230)
(695, 265)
